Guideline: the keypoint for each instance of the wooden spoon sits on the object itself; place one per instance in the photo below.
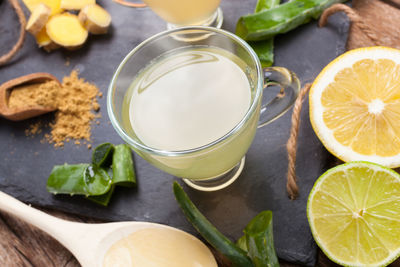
(87, 242)
(17, 114)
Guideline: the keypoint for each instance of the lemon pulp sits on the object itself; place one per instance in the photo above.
(355, 106)
(362, 107)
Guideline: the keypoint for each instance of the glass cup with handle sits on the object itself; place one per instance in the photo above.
(180, 13)
(189, 101)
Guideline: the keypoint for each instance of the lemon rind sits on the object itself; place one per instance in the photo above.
(316, 109)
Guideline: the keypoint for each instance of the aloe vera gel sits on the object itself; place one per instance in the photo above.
(189, 98)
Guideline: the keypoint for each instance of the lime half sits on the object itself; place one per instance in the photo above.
(354, 214)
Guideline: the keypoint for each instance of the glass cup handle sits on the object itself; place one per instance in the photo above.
(130, 4)
(290, 87)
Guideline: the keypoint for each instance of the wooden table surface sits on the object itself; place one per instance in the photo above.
(23, 245)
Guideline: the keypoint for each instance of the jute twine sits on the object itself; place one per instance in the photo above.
(6, 57)
(291, 146)
(354, 18)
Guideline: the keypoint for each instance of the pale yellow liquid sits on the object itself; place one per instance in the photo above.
(184, 12)
(187, 99)
(155, 247)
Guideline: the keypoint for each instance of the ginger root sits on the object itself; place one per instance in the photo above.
(53, 29)
(44, 41)
(54, 5)
(95, 19)
(38, 19)
(76, 4)
(66, 30)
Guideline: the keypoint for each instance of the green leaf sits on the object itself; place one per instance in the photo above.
(103, 199)
(265, 51)
(93, 180)
(122, 164)
(258, 240)
(242, 243)
(97, 180)
(265, 48)
(79, 179)
(265, 4)
(102, 155)
(67, 179)
(281, 19)
(208, 231)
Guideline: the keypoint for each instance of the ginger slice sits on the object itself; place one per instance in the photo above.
(44, 41)
(66, 30)
(54, 5)
(38, 19)
(95, 19)
(76, 4)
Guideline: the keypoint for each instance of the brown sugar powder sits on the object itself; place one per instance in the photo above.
(34, 129)
(75, 101)
(42, 94)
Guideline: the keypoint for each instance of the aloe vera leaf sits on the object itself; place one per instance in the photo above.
(281, 19)
(102, 155)
(67, 179)
(265, 4)
(79, 179)
(258, 241)
(265, 48)
(97, 180)
(122, 165)
(208, 231)
(242, 243)
(103, 199)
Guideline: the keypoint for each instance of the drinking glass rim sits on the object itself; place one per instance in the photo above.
(238, 126)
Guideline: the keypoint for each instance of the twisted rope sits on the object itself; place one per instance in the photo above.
(6, 57)
(355, 19)
(291, 145)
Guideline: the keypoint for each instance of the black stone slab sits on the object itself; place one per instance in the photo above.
(26, 162)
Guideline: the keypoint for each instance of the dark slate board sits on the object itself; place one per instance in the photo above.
(26, 162)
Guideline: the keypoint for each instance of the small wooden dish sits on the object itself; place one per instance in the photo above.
(18, 114)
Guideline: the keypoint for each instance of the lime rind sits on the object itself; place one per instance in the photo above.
(326, 77)
(374, 166)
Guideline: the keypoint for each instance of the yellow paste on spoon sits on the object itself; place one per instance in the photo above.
(158, 247)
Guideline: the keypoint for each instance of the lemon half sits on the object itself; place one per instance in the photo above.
(355, 106)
